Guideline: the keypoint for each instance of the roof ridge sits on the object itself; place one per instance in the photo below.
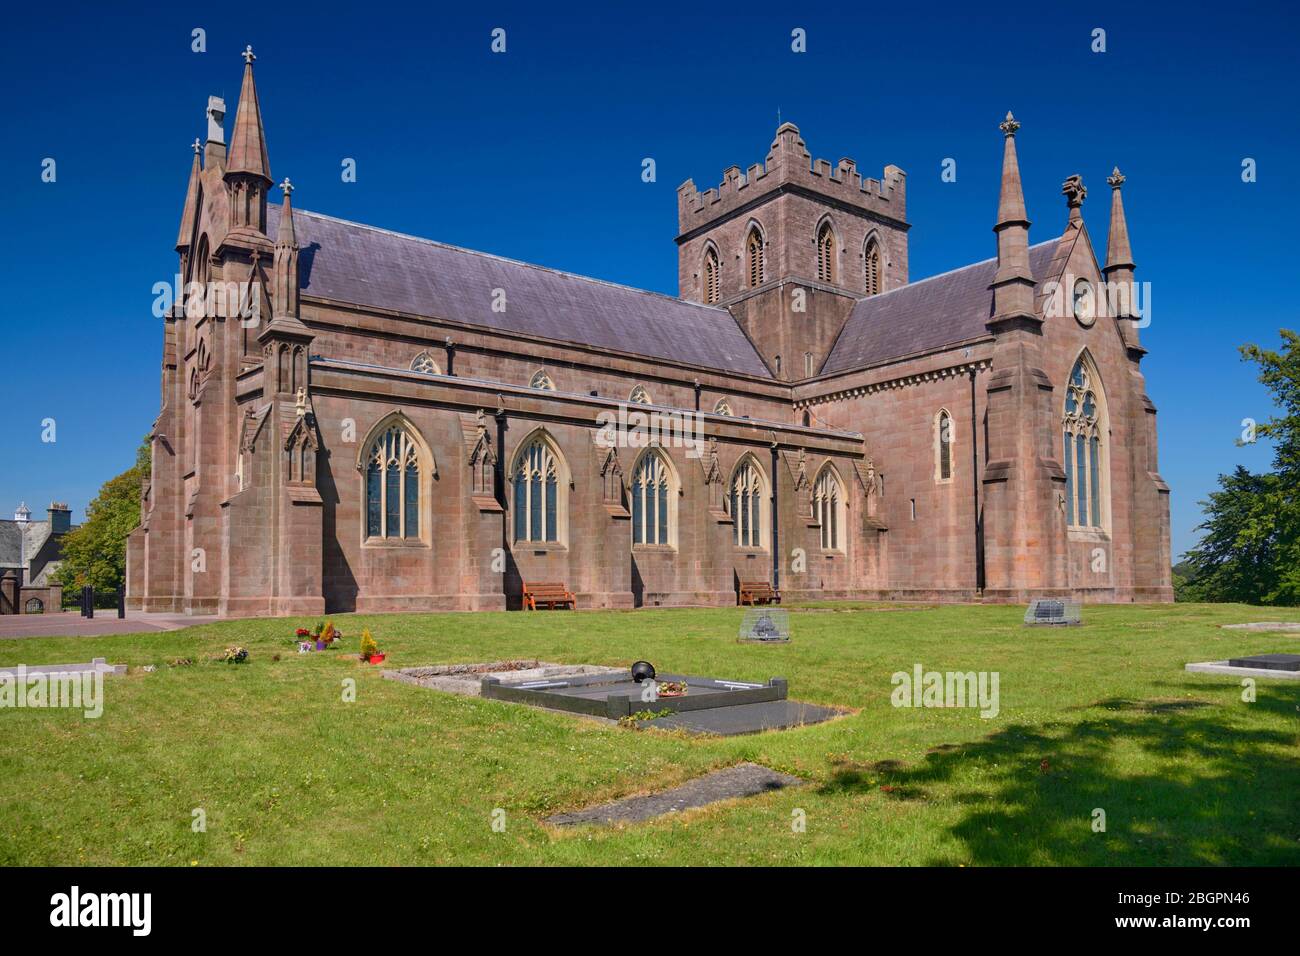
(517, 262)
(940, 275)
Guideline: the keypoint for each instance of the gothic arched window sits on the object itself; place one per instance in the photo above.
(653, 502)
(747, 504)
(710, 276)
(723, 408)
(1083, 440)
(871, 266)
(424, 363)
(539, 489)
(754, 257)
(639, 396)
(542, 380)
(828, 508)
(943, 441)
(393, 469)
(826, 253)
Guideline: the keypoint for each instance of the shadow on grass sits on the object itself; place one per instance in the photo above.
(1180, 783)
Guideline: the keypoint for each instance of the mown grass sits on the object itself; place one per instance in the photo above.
(288, 773)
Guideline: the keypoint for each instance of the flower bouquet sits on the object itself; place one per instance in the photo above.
(235, 655)
(672, 688)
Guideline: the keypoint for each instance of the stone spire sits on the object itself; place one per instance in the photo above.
(285, 268)
(1013, 286)
(1119, 256)
(191, 210)
(1119, 269)
(247, 152)
(248, 173)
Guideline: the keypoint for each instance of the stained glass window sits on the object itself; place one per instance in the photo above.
(536, 493)
(1083, 438)
(827, 505)
(650, 503)
(393, 485)
(747, 505)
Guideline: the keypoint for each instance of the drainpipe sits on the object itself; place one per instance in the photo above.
(975, 488)
(697, 394)
(776, 537)
(451, 356)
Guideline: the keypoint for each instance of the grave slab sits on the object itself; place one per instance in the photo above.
(730, 783)
(745, 718)
(1225, 668)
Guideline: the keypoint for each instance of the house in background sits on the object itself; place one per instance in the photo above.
(30, 552)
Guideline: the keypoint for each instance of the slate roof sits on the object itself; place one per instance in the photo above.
(10, 544)
(365, 266)
(925, 315)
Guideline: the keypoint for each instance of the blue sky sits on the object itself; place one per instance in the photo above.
(536, 155)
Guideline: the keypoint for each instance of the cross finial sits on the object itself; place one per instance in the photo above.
(1009, 125)
(248, 54)
(286, 186)
(197, 147)
(1116, 179)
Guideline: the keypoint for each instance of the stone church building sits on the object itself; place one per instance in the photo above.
(355, 419)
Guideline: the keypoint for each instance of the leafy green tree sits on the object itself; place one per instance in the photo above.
(95, 552)
(1251, 548)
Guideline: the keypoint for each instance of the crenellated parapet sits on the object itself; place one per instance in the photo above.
(789, 164)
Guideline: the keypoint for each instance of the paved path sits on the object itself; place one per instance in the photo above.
(72, 624)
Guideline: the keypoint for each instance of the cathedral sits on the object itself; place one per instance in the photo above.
(353, 419)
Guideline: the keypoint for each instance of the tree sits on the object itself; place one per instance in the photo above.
(1251, 548)
(95, 552)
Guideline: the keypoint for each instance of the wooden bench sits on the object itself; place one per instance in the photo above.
(758, 592)
(550, 594)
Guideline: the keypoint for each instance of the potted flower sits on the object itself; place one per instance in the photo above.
(329, 634)
(672, 688)
(370, 649)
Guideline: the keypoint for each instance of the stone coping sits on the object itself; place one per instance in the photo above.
(467, 678)
(98, 664)
(1223, 667)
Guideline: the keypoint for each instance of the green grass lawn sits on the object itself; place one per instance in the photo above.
(288, 773)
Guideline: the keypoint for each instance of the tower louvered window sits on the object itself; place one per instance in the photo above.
(826, 253)
(754, 251)
(872, 267)
(710, 277)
